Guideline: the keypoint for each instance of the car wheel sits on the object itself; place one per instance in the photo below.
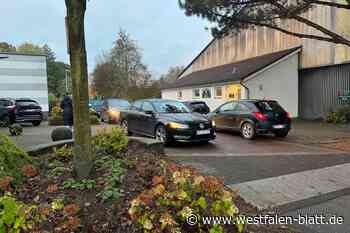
(161, 134)
(248, 131)
(36, 123)
(125, 126)
(5, 121)
(282, 133)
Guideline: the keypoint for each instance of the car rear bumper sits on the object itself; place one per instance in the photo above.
(272, 128)
(29, 118)
(190, 135)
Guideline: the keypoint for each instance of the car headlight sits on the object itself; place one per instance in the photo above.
(213, 123)
(175, 125)
(114, 113)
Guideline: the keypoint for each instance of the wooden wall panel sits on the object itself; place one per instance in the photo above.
(260, 41)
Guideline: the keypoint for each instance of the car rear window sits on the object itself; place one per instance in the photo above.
(26, 102)
(269, 106)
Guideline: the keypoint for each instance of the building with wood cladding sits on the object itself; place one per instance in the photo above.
(305, 76)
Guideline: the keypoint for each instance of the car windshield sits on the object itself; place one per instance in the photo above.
(26, 103)
(269, 106)
(122, 104)
(96, 104)
(170, 107)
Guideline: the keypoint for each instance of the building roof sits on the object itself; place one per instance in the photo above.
(232, 72)
(22, 54)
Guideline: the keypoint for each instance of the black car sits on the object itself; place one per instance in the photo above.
(252, 117)
(198, 106)
(4, 114)
(96, 106)
(111, 108)
(23, 110)
(167, 121)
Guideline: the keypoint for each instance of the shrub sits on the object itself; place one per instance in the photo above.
(179, 195)
(56, 117)
(64, 153)
(55, 121)
(12, 159)
(340, 116)
(15, 130)
(94, 120)
(16, 216)
(110, 141)
(61, 133)
(57, 112)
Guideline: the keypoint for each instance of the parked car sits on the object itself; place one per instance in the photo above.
(198, 106)
(23, 110)
(96, 106)
(252, 117)
(4, 114)
(111, 108)
(167, 121)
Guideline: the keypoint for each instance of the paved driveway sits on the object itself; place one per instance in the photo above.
(294, 175)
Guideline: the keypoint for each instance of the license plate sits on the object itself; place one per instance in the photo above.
(203, 132)
(279, 126)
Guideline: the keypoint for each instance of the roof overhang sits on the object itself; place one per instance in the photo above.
(234, 72)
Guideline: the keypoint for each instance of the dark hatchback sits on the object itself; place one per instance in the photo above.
(167, 121)
(252, 117)
(23, 110)
(198, 106)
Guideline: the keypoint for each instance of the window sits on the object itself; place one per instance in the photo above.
(196, 93)
(137, 106)
(147, 107)
(179, 94)
(170, 107)
(206, 93)
(218, 92)
(241, 108)
(228, 107)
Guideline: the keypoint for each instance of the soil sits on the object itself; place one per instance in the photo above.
(84, 212)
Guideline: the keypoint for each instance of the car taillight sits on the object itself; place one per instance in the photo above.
(260, 116)
(289, 115)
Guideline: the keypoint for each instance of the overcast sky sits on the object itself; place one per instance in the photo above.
(166, 36)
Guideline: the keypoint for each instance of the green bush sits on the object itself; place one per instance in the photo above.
(110, 141)
(12, 159)
(180, 195)
(94, 120)
(340, 116)
(15, 216)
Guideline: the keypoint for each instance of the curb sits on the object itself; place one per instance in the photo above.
(149, 145)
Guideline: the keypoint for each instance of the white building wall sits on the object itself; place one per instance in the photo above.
(280, 83)
(24, 76)
(187, 95)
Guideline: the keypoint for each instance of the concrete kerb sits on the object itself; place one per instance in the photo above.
(149, 145)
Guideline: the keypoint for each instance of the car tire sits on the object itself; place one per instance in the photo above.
(248, 131)
(36, 123)
(282, 133)
(5, 121)
(125, 125)
(161, 135)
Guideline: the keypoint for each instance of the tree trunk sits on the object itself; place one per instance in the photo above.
(83, 157)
